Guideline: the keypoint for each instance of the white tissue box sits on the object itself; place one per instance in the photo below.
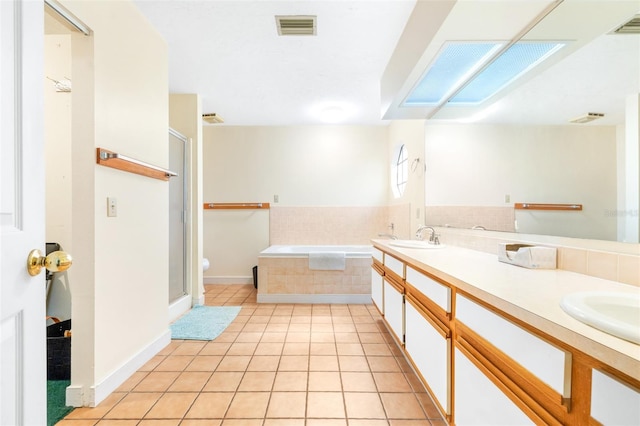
(527, 256)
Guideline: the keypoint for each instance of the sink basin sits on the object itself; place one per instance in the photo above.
(614, 313)
(417, 244)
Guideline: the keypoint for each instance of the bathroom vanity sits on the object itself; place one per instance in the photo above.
(492, 345)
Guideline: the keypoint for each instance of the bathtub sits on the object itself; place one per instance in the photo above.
(285, 275)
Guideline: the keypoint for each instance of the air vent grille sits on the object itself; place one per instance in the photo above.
(296, 25)
(631, 27)
(590, 116)
(212, 118)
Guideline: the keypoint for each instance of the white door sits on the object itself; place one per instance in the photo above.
(22, 297)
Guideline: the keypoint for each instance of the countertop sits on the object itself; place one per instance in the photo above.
(531, 295)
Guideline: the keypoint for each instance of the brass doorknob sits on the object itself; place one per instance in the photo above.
(56, 261)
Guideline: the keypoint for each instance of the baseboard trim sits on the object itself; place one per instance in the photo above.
(355, 299)
(179, 307)
(228, 280)
(80, 396)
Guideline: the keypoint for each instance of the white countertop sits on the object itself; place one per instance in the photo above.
(531, 295)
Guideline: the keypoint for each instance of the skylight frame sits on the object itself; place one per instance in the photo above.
(476, 71)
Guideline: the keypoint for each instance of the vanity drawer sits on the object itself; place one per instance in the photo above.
(539, 357)
(378, 255)
(394, 265)
(438, 293)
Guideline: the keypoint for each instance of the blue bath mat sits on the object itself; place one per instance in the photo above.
(203, 322)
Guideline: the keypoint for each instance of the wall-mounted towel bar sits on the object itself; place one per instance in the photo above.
(230, 206)
(536, 206)
(122, 162)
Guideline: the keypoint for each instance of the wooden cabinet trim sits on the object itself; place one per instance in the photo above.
(393, 279)
(532, 395)
(435, 309)
(438, 325)
(378, 266)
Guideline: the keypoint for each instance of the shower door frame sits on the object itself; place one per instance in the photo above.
(185, 209)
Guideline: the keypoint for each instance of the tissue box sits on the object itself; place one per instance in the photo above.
(527, 256)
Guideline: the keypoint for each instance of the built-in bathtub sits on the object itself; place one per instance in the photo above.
(285, 276)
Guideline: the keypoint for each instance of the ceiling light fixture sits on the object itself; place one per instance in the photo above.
(586, 118)
(212, 118)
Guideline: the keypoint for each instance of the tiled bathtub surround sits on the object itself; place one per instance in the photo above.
(336, 225)
(589, 257)
(494, 218)
(292, 276)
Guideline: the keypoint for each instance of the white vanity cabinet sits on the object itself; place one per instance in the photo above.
(428, 346)
(394, 308)
(393, 300)
(428, 334)
(521, 376)
(483, 362)
(478, 401)
(614, 402)
(377, 279)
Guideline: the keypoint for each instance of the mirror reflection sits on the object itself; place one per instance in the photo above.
(525, 149)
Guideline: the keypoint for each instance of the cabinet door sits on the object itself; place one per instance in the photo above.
(377, 290)
(478, 401)
(430, 352)
(394, 310)
(612, 402)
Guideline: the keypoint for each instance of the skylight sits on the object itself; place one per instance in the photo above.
(451, 77)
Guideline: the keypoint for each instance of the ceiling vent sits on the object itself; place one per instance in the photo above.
(631, 27)
(296, 25)
(590, 116)
(212, 118)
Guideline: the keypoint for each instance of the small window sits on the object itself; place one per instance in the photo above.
(399, 170)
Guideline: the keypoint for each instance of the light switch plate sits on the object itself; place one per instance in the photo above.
(112, 207)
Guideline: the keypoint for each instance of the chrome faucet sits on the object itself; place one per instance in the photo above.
(391, 235)
(420, 231)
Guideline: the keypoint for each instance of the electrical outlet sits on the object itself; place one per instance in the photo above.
(507, 198)
(276, 198)
(112, 207)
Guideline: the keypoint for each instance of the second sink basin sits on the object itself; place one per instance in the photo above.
(614, 313)
(415, 244)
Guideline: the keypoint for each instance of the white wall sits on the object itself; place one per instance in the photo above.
(57, 131)
(302, 165)
(478, 165)
(185, 116)
(119, 276)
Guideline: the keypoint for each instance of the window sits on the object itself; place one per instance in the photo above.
(399, 170)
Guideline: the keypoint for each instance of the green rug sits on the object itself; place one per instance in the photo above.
(56, 396)
(203, 322)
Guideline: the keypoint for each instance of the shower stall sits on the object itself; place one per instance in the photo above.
(178, 194)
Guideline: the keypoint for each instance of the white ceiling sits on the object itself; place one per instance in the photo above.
(229, 52)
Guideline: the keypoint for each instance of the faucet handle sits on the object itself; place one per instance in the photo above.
(436, 239)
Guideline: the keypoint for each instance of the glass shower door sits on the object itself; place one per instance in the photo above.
(177, 216)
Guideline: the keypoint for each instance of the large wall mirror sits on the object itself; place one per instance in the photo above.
(526, 150)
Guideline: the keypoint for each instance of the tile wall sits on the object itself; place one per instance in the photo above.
(285, 275)
(594, 258)
(336, 225)
(495, 218)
